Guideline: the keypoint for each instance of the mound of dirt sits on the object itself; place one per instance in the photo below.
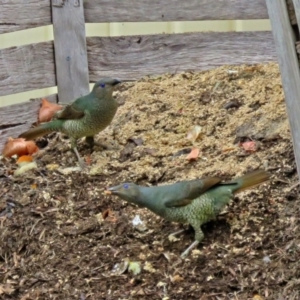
(63, 239)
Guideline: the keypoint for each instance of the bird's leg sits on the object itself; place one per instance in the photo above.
(172, 238)
(90, 140)
(199, 235)
(187, 251)
(80, 160)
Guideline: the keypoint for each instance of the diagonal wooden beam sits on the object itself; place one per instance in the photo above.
(70, 49)
(289, 67)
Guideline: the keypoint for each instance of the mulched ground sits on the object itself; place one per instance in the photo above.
(61, 238)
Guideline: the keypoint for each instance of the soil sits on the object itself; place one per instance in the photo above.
(62, 238)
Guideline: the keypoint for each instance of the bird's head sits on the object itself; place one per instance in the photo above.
(127, 191)
(105, 86)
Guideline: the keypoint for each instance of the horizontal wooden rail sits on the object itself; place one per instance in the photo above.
(19, 15)
(132, 57)
(32, 66)
(26, 68)
(173, 10)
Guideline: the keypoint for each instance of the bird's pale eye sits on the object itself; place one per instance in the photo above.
(102, 85)
(125, 186)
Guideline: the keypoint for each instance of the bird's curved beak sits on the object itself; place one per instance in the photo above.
(111, 190)
(115, 82)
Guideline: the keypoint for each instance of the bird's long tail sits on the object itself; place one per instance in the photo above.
(250, 180)
(42, 130)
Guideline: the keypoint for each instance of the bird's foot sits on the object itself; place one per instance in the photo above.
(172, 237)
(82, 164)
(188, 250)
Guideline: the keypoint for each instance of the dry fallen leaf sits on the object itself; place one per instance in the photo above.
(176, 278)
(109, 215)
(6, 289)
(48, 110)
(69, 170)
(193, 133)
(20, 147)
(193, 154)
(106, 213)
(196, 252)
(172, 238)
(148, 267)
(88, 160)
(52, 167)
(250, 146)
(33, 186)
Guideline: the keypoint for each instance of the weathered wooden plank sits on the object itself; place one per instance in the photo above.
(296, 6)
(97, 11)
(132, 57)
(19, 14)
(14, 119)
(70, 49)
(26, 68)
(289, 67)
(298, 47)
(291, 12)
(32, 67)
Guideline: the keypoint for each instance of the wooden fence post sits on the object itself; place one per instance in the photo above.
(289, 66)
(297, 10)
(72, 73)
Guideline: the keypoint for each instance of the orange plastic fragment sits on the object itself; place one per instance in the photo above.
(24, 158)
(88, 160)
(250, 146)
(20, 147)
(48, 110)
(193, 154)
